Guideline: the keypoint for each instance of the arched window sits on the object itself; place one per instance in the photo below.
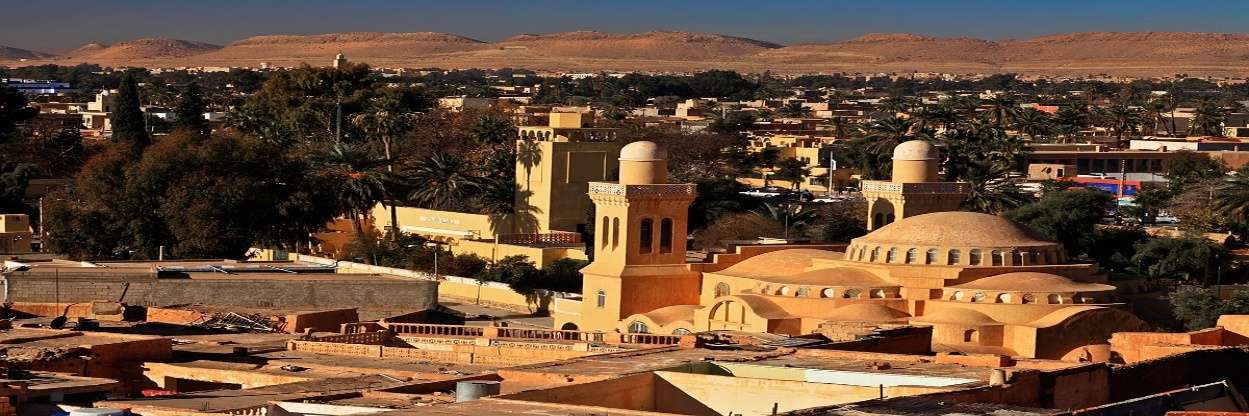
(958, 295)
(999, 258)
(606, 231)
(953, 257)
(1055, 298)
(601, 299)
(802, 292)
(1017, 256)
(828, 292)
(665, 236)
(971, 335)
(680, 331)
(977, 297)
(975, 257)
(1029, 298)
(722, 289)
(646, 235)
(931, 256)
(877, 294)
(568, 327)
(851, 294)
(1034, 257)
(875, 253)
(912, 256)
(615, 233)
(638, 327)
(892, 256)
(783, 291)
(1003, 298)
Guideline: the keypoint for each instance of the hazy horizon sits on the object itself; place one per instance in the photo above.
(33, 25)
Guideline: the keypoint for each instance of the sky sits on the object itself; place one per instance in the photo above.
(65, 24)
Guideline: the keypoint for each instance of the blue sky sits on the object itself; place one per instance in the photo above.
(64, 24)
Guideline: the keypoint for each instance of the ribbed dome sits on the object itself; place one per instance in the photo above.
(643, 151)
(954, 229)
(915, 150)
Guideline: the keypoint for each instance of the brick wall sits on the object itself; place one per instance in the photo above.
(146, 290)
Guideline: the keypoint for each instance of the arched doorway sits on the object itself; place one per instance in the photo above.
(568, 327)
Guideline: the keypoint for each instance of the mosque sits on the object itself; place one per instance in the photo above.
(984, 284)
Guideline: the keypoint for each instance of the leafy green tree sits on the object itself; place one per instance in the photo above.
(13, 189)
(1067, 217)
(190, 110)
(1200, 307)
(1189, 258)
(129, 126)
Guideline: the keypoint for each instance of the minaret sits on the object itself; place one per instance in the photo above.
(640, 228)
(914, 188)
(339, 60)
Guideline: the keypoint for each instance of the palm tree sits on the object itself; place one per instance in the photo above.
(1122, 120)
(793, 109)
(440, 180)
(792, 170)
(498, 200)
(886, 133)
(991, 189)
(897, 104)
(788, 216)
(1002, 109)
(1161, 112)
(360, 175)
(943, 114)
(385, 118)
(1231, 197)
(1208, 119)
(1033, 123)
(493, 131)
(1069, 121)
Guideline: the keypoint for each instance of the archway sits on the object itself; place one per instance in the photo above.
(568, 327)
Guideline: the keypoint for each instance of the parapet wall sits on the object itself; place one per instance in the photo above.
(147, 290)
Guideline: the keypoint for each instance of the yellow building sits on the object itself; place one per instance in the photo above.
(15, 234)
(984, 283)
(568, 126)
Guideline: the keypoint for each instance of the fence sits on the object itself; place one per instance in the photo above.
(435, 330)
(554, 239)
(502, 333)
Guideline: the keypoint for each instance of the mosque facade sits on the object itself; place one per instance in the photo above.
(984, 284)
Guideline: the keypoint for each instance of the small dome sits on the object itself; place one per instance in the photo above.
(915, 150)
(870, 312)
(643, 151)
(1032, 282)
(956, 316)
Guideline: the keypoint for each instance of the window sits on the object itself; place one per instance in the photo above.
(1034, 257)
(958, 295)
(931, 256)
(875, 254)
(1003, 298)
(977, 297)
(975, 257)
(783, 291)
(892, 256)
(1017, 257)
(912, 256)
(615, 233)
(1029, 298)
(953, 257)
(998, 257)
(645, 235)
(680, 331)
(971, 335)
(606, 231)
(722, 289)
(601, 299)
(877, 293)
(828, 293)
(1055, 299)
(665, 236)
(802, 292)
(638, 327)
(851, 294)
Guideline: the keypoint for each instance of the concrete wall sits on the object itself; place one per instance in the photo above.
(145, 289)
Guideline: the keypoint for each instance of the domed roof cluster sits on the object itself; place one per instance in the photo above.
(1032, 282)
(643, 151)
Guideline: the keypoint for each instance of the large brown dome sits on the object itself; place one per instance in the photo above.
(954, 229)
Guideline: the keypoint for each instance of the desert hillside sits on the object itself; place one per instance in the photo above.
(139, 50)
(11, 53)
(1130, 53)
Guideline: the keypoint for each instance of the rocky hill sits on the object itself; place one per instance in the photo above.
(139, 50)
(11, 53)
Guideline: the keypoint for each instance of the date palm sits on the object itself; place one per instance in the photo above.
(360, 176)
(1232, 197)
(1208, 119)
(1033, 123)
(1002, 109)
(440, 180)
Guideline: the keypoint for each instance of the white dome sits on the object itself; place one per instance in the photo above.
(915, 150)
(643, 151)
